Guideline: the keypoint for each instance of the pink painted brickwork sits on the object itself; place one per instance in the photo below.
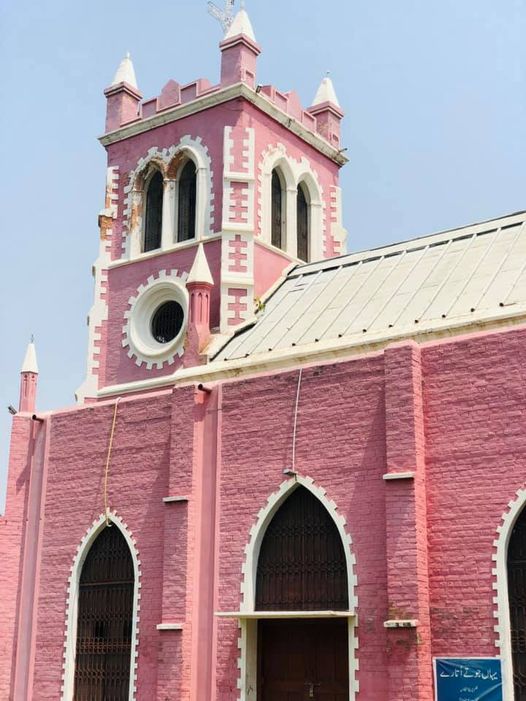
(450, 411)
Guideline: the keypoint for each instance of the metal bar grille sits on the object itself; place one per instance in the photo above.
(277, 213)
(302, 563)
(187, 203)
(302, 224)
(154, 213)
(104, 627)
(517, 598)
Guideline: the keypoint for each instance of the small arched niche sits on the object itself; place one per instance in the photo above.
(104, 626)
(153, 216)
(303, 222)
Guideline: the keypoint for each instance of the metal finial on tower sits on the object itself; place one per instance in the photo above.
(226, 16)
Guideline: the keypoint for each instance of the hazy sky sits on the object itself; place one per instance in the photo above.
(434, 93)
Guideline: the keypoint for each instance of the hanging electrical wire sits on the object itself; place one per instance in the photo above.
(108, 460)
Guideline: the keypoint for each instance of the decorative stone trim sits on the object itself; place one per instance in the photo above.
(294, 172)
(171, 500)
(68, 665)
(169, 285)
(163, 158)
(398, 476)
(98, 314)
(248, 636)
(500, 586)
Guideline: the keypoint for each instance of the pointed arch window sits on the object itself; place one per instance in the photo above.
(302, 565)
(154, 212)
(187, 202)
(105, 618)
(303, 223)
(516, 565)
(277, 210)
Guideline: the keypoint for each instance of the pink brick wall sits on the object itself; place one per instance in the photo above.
(357, 420)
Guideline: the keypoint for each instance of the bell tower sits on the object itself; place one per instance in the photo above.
(212, 191)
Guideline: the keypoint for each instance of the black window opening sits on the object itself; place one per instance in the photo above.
(105, 620)
(303, 224)
(167, 322)
(516, 564)
(187, 202)
(302, 565)
(277, 211)
(154, 213)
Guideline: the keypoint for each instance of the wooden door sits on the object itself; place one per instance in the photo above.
(303, 660)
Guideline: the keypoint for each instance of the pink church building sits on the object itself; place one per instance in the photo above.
(291, 472)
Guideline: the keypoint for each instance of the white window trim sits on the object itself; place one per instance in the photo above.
(193, 149)
(165, 286)
(248, 658)
(500, 585)
(68, 675)
(293, 172)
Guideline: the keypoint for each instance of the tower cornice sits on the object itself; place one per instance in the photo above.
(204, 102)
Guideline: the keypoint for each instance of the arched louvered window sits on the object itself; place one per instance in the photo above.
(154, 212)
(277, 210)
(303, 223)
(186, 202)
(105, 616)
(301, 564)
(517, 601)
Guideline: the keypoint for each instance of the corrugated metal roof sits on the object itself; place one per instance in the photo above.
(469, 274)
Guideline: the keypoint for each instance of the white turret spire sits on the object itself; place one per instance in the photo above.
(126, 73)
(241, 25)
(326, 93)
(30, 359)
(200, 270)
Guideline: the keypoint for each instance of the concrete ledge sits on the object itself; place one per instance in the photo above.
(401, 623)
(170, 500)
(399, 476)
(169, 626)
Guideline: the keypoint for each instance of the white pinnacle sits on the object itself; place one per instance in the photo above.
(200, 271)
(326, 93)
(125, 73)
(241, 25)
(30, 359)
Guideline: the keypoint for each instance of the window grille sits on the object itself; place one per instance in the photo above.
(167, 321)
(277, 211)
(104, 625)
(302, 224)
(302, 563)
(187, 202)
(517, 600)
(154, 213)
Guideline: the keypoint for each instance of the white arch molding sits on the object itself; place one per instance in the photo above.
(293, 173)
(68, 673)
(500, 585)
(247, 661)
(194, 150)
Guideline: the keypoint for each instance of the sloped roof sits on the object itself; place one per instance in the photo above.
(465, 276)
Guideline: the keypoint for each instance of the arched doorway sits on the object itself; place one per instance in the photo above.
(516, 564)
(105, 620)
(302, 572)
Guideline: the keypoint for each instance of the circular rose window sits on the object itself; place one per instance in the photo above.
(156, 321)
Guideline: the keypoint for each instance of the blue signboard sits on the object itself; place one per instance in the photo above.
(468, 679)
